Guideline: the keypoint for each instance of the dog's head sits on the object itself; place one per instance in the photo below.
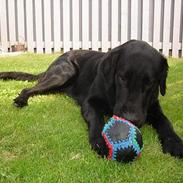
(133, 80)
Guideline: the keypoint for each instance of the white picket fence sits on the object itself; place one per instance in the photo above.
(53, 25)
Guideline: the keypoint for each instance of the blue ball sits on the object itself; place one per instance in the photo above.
(123, 139)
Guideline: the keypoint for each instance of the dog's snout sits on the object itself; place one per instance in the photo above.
(133, 118)
(130, 116)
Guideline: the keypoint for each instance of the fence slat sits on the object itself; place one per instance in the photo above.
(75, 23)
(134, 19)
(182, 44)
(156, 31)
(29, 25)
(95, 19)
(20, 17)
(47, 25)
(176, 28)
(166, 27)
(145, 20)
(11, 20)
(3, 27)
(56, 24)
(124, 21)
(66, 25)
(39, 28)
(114, 26)
(85, 24)
(105, 21)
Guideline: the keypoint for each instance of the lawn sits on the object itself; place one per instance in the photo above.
(47, 141)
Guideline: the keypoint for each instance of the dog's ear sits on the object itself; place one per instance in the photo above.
(164, 73)
(107, 72)
(108, 66)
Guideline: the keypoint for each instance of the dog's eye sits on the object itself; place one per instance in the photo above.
(149, 84)
(122, 79)
(147, 81)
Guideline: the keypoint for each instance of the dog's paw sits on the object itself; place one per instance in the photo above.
(20, 102)
(99, 145)
(173, 146)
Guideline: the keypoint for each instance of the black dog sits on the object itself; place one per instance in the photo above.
(124, 81)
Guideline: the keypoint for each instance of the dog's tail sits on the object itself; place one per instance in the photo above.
(20, 76)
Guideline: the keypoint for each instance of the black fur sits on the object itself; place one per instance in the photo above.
(124, 81)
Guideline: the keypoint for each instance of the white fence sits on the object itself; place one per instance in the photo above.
(51, 25)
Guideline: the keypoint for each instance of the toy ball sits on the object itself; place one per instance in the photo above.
(123, 139)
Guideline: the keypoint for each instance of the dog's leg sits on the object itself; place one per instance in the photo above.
(171, 142)
(94, 118)
(53, 80)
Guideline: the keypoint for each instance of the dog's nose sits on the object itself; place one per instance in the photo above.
(132, 117)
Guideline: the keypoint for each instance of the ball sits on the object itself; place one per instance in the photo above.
(123, 139)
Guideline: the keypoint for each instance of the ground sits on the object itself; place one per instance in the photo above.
(48, 140)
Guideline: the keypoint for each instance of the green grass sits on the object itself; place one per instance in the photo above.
(48, 141)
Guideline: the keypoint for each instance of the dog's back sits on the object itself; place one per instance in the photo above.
(88, 62)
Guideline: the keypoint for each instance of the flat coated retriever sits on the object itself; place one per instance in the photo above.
(124, 81)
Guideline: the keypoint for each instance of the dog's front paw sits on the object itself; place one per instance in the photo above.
(20, 102)
(174, 146)
(99, 145)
